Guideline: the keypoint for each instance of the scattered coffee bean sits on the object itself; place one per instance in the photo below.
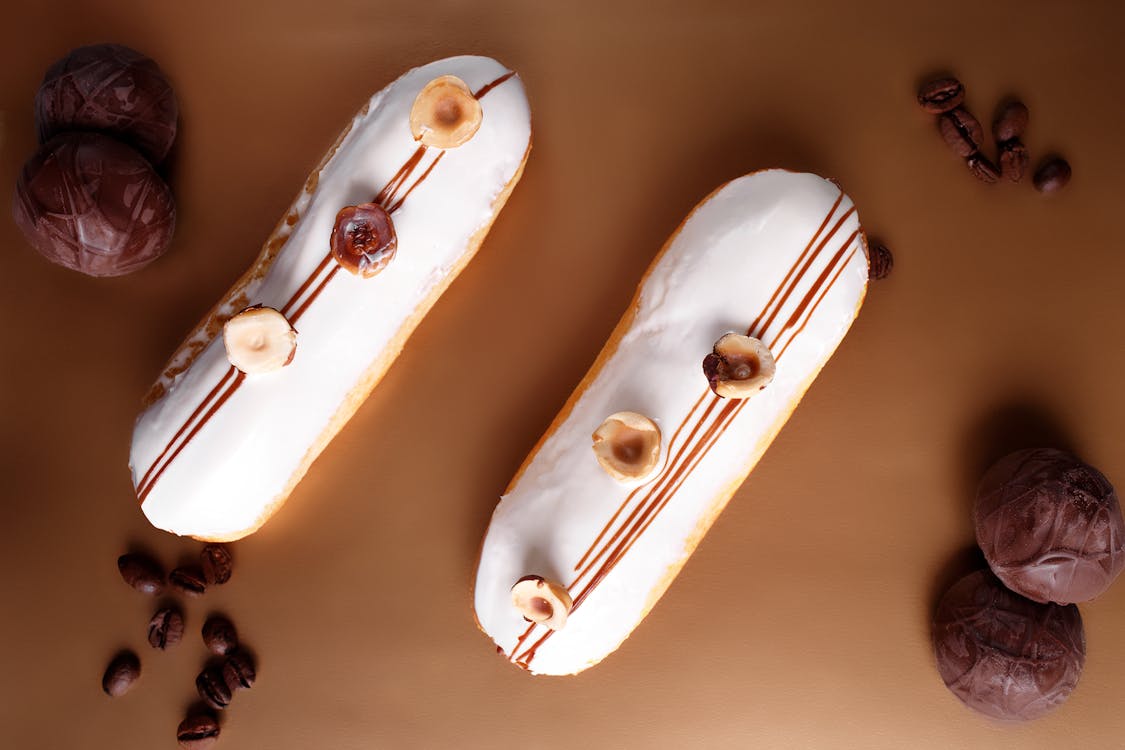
(188, 580)
(217, 564)
(880, 262)
(941, 95)
(983, 168)
(1014, 158)
(238, 671)
(166, 628)
(121, 674)
(219, 635)
(142, 573)
(1052, 175)
(198, 731)
(1010, 122)
(961, 131)
(213, 688)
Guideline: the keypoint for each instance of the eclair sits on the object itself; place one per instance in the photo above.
(394, 211)
(730, 325)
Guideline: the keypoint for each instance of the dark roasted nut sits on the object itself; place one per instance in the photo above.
(880, 262)
(1052, 176)
(217, 564)
(1010, 122)
(983, 168)
(941, 95)
(238, 671)
(121, 674)
(1013, 159)
(962, 132)
(219, 635)
(198, 731)
(213, 688)
(188, 579)
(142, 573)
(92, 204)
(166, 628)
(112, 89)
(363, 239)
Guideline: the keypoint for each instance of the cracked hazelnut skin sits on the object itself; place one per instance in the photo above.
(363, 239)
(542, 601)
(445, 113)
(259, 340)
(739, 366)
(627, 445)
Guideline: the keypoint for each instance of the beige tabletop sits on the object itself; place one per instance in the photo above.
(802, 620)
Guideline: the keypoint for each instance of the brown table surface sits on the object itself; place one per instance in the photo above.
(802, 620)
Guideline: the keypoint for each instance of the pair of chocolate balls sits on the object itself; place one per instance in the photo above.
(90, 198)
(1009, 642)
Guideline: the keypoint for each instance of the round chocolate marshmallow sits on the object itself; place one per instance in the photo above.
(112, 89)
(93, 204)
(1004, 655)
(1050, 526)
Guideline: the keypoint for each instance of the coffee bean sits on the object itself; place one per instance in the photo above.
(142, 573)
(239, 672)
(1014, 158)
(1052, 175)
(198, 731)
(983, 168)
(1010, 122)
(166, 628)
(213, 688)
(121, 674)
(880, 263)
(961, 131)
(941, 95)
(219, 635)
(188, 580)
(217, 564)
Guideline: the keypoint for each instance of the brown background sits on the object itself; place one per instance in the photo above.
(802, 621)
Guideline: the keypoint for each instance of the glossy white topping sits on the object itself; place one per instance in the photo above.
(615, 549)
(221, 480)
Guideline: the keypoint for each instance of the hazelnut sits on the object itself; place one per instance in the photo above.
(363, 239)
(627, 445)
(445, 113)
(259, 339)
(739, 366)
(542, 601)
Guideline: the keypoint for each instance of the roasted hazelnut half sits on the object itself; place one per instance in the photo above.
(445, 113)
(259, 339)
(739, 367)
(627, 445)
(363, 239)
(542, 601)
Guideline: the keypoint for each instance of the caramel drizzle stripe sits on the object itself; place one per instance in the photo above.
(198, 426)
(623, 505)
(828, 217)
(385, 195)
(194, 415)
(676, 458)
(677, 475)
(804, 269)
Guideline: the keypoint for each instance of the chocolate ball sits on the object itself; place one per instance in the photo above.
(112, 89)
(1004, 655)
(93, 204)
(1050, 526)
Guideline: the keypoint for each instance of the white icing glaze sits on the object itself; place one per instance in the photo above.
(717, 275)
(241, 459)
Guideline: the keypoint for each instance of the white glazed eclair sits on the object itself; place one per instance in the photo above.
(217, 449)
(775, 255)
